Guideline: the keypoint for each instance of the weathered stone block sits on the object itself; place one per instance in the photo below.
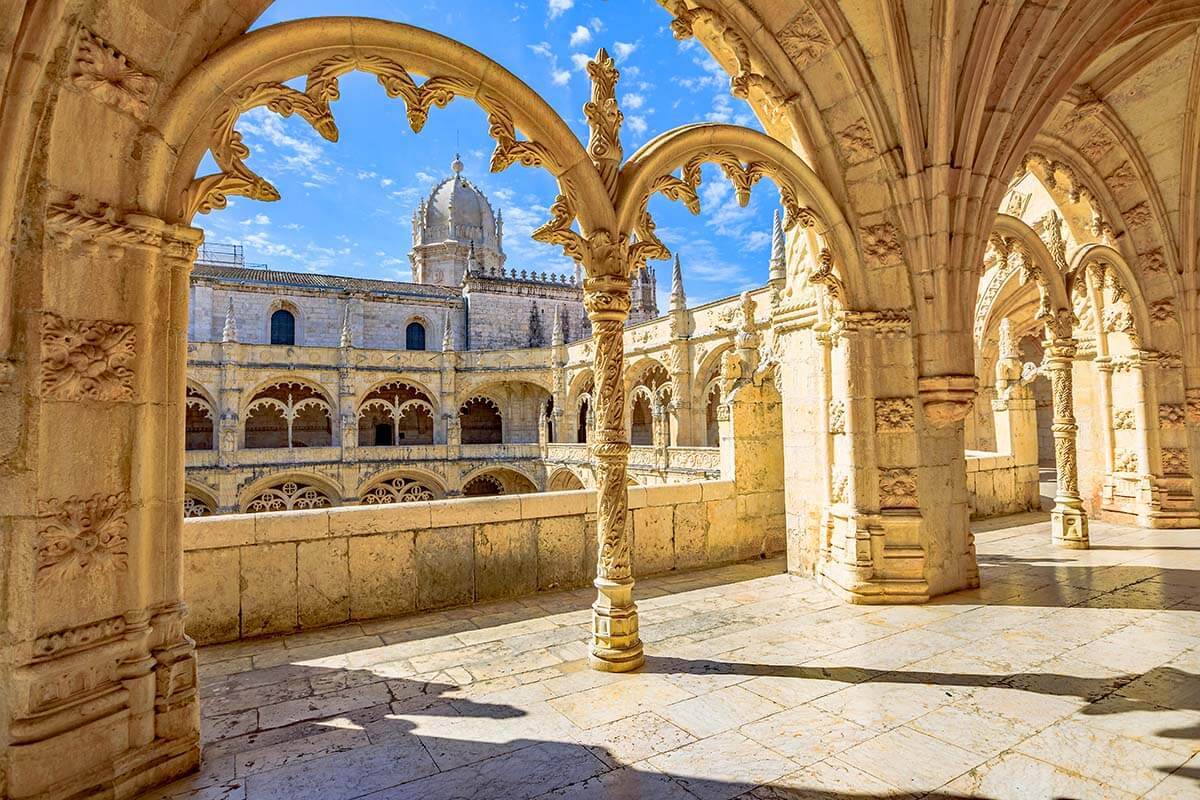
(210, 584)
(445, 567)
(382, 575)
(392, 518)
(691, 530)
(268, 588)
(505, 560)
(560, 552)
(722, 531)
(653, 542)
(323, 581)
(226, 530)
(290, 526)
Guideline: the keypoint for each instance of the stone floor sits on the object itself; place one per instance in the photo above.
(1068, 675)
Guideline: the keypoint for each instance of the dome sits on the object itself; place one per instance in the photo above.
(457, 210)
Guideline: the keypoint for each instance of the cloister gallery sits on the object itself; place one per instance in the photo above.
(986, 262)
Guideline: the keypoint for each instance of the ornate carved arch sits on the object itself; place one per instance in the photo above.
(289, 492)
(250, 72)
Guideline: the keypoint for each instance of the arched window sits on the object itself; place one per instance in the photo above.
(414, 336)
(641, 431)
(283, 327)
(480, 422)
(581, 431)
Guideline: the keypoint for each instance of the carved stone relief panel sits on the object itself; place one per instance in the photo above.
(86, 359)
(897, 488)
(894, 414)
(79, 538)
(109, 76)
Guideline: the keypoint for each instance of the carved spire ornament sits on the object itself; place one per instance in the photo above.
(447, 335)
(604, 119)
(346, 340)
(777, 272)
(229, 332)
(678, 298)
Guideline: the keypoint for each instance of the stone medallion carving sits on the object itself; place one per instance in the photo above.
(1123, 419)
(105, 73)
(86, 359)
(1126, 461)
(1171, 415)
(804, 39)
(1175, 461)
(1162, 310)
(897, 488)
(856, 142)
(881, 245)
(80, 538)
(894, 414)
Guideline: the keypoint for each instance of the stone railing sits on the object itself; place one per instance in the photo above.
(255, 574)
(998, 485)
(684, 463)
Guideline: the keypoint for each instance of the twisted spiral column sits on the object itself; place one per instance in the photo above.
(616, 646)
(1068, 520)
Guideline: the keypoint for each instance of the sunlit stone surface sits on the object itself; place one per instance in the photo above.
(1069, 674)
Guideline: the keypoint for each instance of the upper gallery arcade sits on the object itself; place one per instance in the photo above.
(988, 261)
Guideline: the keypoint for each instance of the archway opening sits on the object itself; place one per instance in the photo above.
(480, 422)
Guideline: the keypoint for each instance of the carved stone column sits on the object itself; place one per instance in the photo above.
(1068, 521)
(616, 646)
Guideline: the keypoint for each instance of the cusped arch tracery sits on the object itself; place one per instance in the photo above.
(405, 486)
(288, 413)
(290, 493)
(252, 71)
(396, 413)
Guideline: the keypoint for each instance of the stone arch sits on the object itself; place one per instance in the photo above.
(396, 412)
(283, 304)
(480, 421)
(289, 492)
(1107, 258)
(405, 485)
(483, 485)
(708, 370)
(200, 418)
(250, 71)
(746, 156)
(199, 501)
(519, 401)
(288, 413)
(711, 406)
(563, 480)
(512, 479)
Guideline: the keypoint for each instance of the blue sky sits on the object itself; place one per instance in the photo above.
(346, 207)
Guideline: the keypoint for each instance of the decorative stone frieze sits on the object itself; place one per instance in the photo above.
(81, 538)
(62, 642)
(1124, 419)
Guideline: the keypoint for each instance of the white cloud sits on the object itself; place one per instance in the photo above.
(580, 60)
(560, 77)
(633, 100)
(559, 7)
(636, 124)
(757, 240)
(366, 175)
(386, 182)
(596, 24)
(580, 36)
(624, 49)
(542, 49)
(257, 219)
(292, 226)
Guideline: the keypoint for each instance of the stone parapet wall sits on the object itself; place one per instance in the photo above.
(254, 574)
(998, 485)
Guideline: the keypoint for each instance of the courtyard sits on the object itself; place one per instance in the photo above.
(1068, 674)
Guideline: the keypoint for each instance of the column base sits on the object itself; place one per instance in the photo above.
(616, 646)
(1069, 527)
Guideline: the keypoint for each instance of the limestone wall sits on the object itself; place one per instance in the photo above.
(254, 574)
(997, 485)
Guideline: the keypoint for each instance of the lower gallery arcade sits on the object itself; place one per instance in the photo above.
(813, 483)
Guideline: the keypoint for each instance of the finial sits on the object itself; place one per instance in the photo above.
(229, 333)
(456, 166)
(556, 333)
(346, 340)
(678, 298)
(777, 268)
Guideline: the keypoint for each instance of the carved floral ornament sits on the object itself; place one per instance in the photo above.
(81, 538)
(103, 71)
